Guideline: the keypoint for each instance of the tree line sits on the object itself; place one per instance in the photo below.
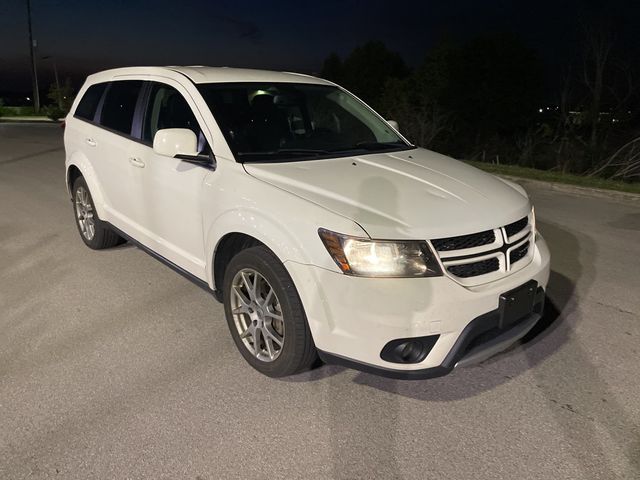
(485, 99)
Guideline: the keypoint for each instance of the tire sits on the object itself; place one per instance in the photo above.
(278, 316)
(95, 233)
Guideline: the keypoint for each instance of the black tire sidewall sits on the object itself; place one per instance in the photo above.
(297, 340)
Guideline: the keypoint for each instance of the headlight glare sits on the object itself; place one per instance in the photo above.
(380, 258)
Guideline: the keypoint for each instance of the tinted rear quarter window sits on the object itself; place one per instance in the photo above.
(119, 105)
(89, 102)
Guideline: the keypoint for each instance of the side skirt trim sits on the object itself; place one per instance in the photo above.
(176, 268)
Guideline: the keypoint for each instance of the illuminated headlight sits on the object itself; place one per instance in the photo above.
(364, 257)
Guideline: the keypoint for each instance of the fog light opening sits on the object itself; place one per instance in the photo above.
(408, 350)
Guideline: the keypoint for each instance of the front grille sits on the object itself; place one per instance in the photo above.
(464, 241)
(518, 253)
(457, 260)
(474, 269)
(516, 227)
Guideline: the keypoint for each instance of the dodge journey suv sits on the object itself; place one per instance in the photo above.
(322, 229)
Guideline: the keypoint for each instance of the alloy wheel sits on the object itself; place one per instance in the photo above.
(84, 213)
(257, 315)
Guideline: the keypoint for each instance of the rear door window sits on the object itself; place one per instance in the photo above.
(120, 105)
(89, 103)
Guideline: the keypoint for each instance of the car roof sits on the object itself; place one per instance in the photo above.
(204, 74)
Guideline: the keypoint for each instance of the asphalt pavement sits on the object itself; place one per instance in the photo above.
(112, 366)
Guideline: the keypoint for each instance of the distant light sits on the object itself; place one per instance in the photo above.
(28, 98)
(540, 110)
(547, 108)
(64, 98)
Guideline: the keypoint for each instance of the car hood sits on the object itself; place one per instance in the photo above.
(415, 194)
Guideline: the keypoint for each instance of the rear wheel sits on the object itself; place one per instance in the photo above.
(265, 315)
(95, 233)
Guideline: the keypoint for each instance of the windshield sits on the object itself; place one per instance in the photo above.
(277, 122)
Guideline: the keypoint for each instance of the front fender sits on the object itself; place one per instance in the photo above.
(290, 238)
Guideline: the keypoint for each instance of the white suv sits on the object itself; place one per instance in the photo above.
(321, 228)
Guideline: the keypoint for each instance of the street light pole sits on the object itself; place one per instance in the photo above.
(55, 73)
(34, 73)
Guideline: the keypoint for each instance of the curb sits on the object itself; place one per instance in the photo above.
(576, 189)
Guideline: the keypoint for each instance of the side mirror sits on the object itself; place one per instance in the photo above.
(174, 142)
(394, 124)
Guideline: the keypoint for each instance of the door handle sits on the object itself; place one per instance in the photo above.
(136, 162)
(90, 141)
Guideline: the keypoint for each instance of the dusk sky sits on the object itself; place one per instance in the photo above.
(87, 36)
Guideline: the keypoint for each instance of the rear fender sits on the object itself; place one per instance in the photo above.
(80, 161)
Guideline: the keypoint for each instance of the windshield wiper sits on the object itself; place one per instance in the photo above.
(289, 151)
(371, 146)
(312, 151)
(377, 145)
(293, 154)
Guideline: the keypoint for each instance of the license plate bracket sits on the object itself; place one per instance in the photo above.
(517, 303)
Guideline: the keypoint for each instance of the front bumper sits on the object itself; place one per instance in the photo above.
(481, 339)
(352, 318)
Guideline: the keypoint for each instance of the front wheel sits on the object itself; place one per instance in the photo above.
(265, 315)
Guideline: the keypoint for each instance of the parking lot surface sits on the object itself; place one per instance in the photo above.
(114, 366)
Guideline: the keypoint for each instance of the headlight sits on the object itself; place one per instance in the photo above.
(533, 220)
(380, 258)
